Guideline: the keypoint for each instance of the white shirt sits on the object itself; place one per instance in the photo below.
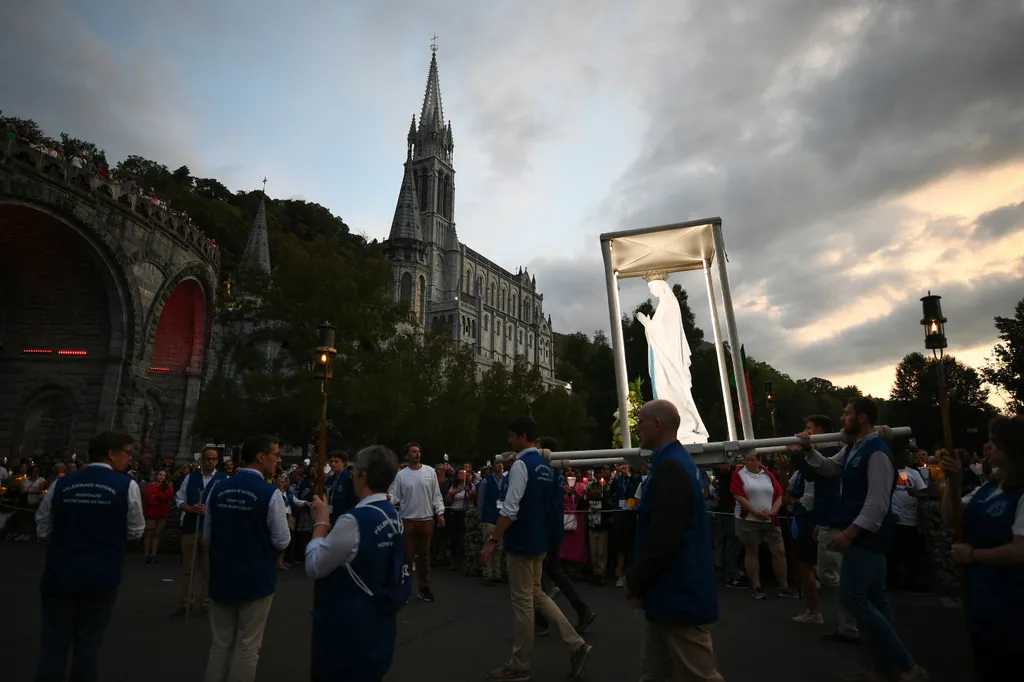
(807, 499)
(416, 494)
(903, 505)
(758, 490)
(277, 520)
(340, 547)
(136, 521)
(1018, 519)
(518, 477)
(179, 497)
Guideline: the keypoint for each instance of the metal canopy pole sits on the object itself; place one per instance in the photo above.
(723, 371)
(733, 333)
(618, 344)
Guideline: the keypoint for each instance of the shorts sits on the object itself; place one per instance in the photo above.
(752, 533)
(805, 549)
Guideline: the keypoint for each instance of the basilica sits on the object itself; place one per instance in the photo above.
(450, 288)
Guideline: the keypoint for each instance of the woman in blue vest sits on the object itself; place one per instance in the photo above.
(992, 552)
(364, 579)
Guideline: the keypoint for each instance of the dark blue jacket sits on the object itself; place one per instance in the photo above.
(827, 494)
(530, 533)
(855, 490)
(90, 531)
(686, 591)
(194, 493)
(356, 613)
(243, 561)
(489, 499)
(995, 593)
(339, 495)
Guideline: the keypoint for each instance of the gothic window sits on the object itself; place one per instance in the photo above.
(421, 190)
(405, 289)
(513, 308)
(422, 297)
(468, 280)
(501, 300)
(479, 285)
(490, 294)
(485, 322)
(451, 325)
(472, 328)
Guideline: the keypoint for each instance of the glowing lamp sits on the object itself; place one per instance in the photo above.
(769, 397)
(934, 323)
(323, 368)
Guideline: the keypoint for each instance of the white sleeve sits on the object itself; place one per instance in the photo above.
(44, 518)
(136, 519)
(827, 466)
(179, 497)
(517, 479)
(277, 522)
(340, 547)
(1018, 520)
(917, 480)
(438, 498)
(395, 491)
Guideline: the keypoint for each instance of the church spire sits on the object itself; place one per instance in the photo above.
(406, 224)
(256, 256)
(432, 116)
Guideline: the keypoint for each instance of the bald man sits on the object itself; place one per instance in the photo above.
(673, 576)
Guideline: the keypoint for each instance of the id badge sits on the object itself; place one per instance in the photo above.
(622, 504)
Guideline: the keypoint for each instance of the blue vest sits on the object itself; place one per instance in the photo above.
(686, 592)
(347, 619)
(90, 531)
(243, 562)
(503, 487)
(803, 520)
(193, 492)
(995, 593)
(340, 494)
(854, 492)
(489, 505)
(529, 533)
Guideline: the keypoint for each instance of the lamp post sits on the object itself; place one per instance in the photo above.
(769, 401)
(935, 340)
(323, 369)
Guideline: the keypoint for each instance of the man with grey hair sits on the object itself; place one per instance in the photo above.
(673, 577)
(363, 577)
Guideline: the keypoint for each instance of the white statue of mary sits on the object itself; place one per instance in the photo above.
(669, 360)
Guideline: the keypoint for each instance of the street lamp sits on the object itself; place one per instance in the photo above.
(323, 369)
(769, 401)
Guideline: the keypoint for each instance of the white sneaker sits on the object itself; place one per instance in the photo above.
(553, 594)
(620, 582)
(810, 618)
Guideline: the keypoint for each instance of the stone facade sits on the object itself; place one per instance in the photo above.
(105, 305)
(450, 288)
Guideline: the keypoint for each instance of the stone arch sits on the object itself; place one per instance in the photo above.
(200, 293)
(50, 420)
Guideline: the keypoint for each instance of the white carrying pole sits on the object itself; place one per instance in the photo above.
(618, 344)
(733, 333)
(723, 371)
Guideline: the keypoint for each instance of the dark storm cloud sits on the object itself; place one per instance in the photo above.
(1001, 221)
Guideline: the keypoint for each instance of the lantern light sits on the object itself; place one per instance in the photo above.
(934, 323)
(325, 352)
(769, 397)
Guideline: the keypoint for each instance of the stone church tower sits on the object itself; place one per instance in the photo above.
(449, 287)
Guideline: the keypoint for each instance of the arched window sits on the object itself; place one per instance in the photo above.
(472, 326)
(467, 282)
(490, 294)
(479, 285)
(501, 299)
(514, 309)
(405, 289)
(421, 284)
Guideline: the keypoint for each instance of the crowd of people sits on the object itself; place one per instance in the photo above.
(840, 517)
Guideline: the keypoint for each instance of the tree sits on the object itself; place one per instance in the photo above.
(144, 172)
(1005, 369)
(27, 127)
(73, 145)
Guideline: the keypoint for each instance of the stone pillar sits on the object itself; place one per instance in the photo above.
(194, 383)
(131, 404)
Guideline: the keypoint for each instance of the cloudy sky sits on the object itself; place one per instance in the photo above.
(859, 153)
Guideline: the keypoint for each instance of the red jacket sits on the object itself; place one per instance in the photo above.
(156, 500)
(737, 489)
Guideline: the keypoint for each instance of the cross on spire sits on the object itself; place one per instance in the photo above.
(264, 184)
(433, 44)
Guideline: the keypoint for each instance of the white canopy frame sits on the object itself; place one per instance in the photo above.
(679, 247)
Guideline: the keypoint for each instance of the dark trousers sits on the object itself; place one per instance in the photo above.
(553, 570)
(76, 619)
(455, 525)
(993, 660)
(904, 557)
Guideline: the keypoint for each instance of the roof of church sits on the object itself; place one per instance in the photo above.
(257, 250)
(406, 224)
(432, 116)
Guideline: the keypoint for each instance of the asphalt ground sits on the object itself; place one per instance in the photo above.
(464, 633)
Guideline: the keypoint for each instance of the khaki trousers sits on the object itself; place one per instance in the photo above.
(417, 534)
(492, 570)
(677, 653)
(237, 635)
(524, 574)
(202, 580)
(599, 552)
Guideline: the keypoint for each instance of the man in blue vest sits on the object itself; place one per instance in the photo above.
(673, 575)
(90, 516)
(338, 486)
(363, 576)
(490, 498)
(190, 500)
(868, 478)
(528, 517)
(245, 526)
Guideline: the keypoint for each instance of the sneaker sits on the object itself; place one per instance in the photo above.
(809, 618)
(758, 593)
(789, 593)
(737, 584)
(553, 594)
(586, 618)
(620, 582)
(577, 660)
(507, 674)
(426, 594)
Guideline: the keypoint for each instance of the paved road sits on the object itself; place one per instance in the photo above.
(464, 633)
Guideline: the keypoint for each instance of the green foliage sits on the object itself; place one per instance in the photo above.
(636, 401)
(1005, 369)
